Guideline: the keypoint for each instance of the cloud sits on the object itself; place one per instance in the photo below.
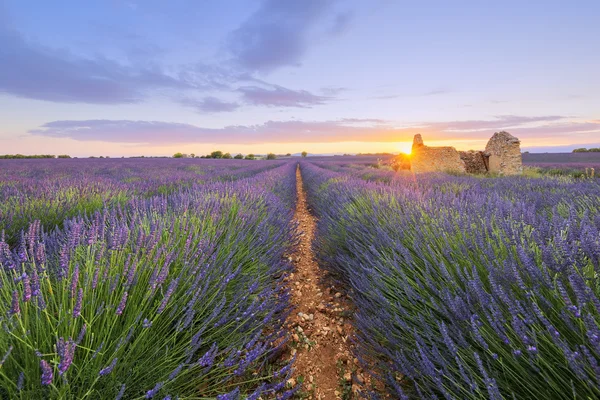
(498, 123)
(34, 71)
(365, 130)
(210, 105)
(277, 34)
(278, 96)
(437, 92)
(341, 22)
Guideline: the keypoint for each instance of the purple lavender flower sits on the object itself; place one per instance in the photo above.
(66, 351)
(95, 278)
(77, 308)
(20, 381)
(82, 333)
(74, 280)
(26, 289)
(168, 294)
(154, 391)
(47, 374)
(15, 308)
(121, 306)
(146, 323)
(108, 370)
(121, 392)
(209, 357)
(5, 357)
(233, 395)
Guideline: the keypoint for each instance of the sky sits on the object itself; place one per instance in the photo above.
(155, 77)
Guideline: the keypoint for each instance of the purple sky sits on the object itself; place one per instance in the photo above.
(152, 77)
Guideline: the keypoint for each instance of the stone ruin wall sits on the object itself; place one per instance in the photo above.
(502, 155)
(433, 159)
(475, 161)
(504, 152)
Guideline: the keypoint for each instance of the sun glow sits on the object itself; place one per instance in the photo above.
(404, 147)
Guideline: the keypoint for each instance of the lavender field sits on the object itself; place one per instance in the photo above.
(166, 279)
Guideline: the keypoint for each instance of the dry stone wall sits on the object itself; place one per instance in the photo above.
(505, 154)
(433, 159)
(475, 161)
(502, 155)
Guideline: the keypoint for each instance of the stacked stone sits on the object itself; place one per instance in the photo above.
(434, 159)
(475, 161)
(505, 154)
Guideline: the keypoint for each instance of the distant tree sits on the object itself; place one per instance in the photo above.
(250, 157)
(178, 155)
(288, 155)
(580, 150)
(202, 156)
(64, 156)
(271, 156)
(192, 155)
(594, 150)
(304, 154)
(238, 156)
(216, 154)
(227, 156)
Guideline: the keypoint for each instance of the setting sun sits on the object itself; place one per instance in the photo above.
(404, 147)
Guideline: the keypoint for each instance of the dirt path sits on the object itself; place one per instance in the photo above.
(324, 365)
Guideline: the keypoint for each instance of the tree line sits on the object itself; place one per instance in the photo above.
(220, 155)
(584, 150)
(20, 156)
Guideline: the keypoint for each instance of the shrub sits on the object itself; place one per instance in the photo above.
(238, 156)
(468, 288)
(172, 296)
(271, 156)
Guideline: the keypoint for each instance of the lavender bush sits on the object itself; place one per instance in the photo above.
(172, 295)
(53, 190)
(468, 288)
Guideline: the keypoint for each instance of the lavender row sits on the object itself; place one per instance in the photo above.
(53, 190)
(468, 288)
(178, 295)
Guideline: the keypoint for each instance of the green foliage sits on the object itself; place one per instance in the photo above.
(238, 156)
(271, 156)
(304, 154)
(216, 154)
(19, 156)
(227, 156)
(250, 157)
(178, 155)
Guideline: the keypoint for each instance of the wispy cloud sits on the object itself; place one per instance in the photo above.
(437, 92)
(34, 71)
(277, 34)
(353, 129)
(278, 96)
(209, 105)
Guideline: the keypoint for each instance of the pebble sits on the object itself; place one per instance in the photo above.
(338, 295)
